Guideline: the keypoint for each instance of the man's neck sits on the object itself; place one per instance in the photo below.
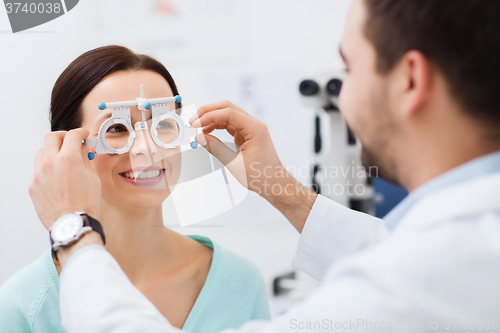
(428, 165)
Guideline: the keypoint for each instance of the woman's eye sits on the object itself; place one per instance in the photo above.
(117, 129)
(165, 125)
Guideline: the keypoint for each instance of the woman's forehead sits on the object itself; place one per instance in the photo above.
(125, 85)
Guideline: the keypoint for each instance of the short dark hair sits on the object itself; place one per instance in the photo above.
(85, 72)
(462, 37)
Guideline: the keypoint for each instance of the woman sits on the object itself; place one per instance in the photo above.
(197, 285)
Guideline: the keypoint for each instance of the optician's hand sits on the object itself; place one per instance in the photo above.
(64, 180)
(256, 164)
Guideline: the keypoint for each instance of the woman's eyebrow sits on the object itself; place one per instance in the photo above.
(103, 117)
(108, 115)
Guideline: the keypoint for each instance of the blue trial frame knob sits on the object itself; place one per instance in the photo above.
(194, 144)
(91, 156)
(102, 106)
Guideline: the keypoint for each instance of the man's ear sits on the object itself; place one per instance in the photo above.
(415, 73)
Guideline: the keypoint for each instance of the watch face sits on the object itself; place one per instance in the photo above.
(66, 227)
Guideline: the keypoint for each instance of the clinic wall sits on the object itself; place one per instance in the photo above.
(253, 53)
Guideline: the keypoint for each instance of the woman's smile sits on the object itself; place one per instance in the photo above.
(143, 176)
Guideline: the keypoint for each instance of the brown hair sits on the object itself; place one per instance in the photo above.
(85, 72)
(462, 37)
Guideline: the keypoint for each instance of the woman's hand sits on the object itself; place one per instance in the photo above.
(255, 164)
(64, 180)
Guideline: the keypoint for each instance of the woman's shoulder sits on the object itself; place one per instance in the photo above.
(234, 268)
(23, 294)
(28, 279)
(241, 270)
(245, 283)
(239, 277)
(234, 286)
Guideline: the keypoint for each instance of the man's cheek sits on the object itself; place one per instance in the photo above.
(347, 106)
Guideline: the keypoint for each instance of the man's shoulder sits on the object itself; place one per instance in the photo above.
(471, 200)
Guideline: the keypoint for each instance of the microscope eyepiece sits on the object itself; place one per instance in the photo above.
(309, 88)
(333, 87)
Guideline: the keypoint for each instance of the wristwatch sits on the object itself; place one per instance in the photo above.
(69, 228)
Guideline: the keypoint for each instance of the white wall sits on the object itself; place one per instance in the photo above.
(253, 52)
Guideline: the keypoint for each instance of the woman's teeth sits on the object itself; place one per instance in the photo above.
(142, 175)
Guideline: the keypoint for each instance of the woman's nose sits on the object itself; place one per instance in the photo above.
(143, 144)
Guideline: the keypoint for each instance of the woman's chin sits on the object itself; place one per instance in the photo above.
(146, 200)
(144, 203)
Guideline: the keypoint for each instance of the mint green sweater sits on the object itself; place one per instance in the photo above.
(234, 292)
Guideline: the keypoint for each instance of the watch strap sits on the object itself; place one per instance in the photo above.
(54, 257)
(95, 225)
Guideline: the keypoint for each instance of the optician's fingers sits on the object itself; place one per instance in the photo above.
(72, 144)
(38, 161)
(217, 148)
(52, 144)
(218, 106)
(238, 138)
(231, 130)
(85, 155)
(232, 160)
(243, 123)
(212, 127)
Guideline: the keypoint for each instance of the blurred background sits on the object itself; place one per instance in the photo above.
(254, 53)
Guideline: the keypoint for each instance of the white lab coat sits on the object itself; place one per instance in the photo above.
(438, 270)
